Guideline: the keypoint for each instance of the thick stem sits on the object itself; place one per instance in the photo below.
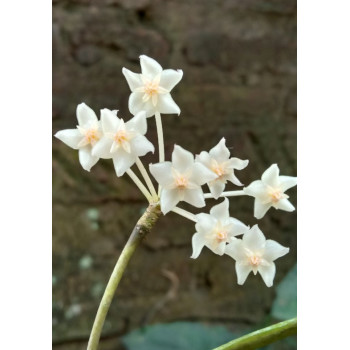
(146, 177)
(227, 194)
(160, 141)
(262, 337)
(142, 228)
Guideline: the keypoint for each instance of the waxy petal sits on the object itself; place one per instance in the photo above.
(109, 121)
(220, 211)
(201, 174)
(235, 249)
(260, 208)
(122, 161)
(242, 270)
(102, 148)
(284, 204)
(274, 250)
(198, 242)
(205, 223)
(169, 199)
(133, 79)
(236, 163)
(287, 182)
(256, 189)
(270, 176)
(238, 228)
(150, 67)
(136, 104)
(254, 239)
(220, 152)
(216, 188)
(87, 160)
(166, 105)
(218, 249)
(71, 137)
(141, 146)
(162, 173)
(194, 197)
(267, 273)
(182, 159)
(204, 158)
(86, 116)
(138, 123)
(169, 78)
(232, 177)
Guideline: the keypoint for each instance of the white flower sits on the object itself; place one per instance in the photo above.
(181, 180)
(269, 191)
(218, 160)
(214, 230)
(84, 137)
(123, 142)
(150, 90)
(254, 253)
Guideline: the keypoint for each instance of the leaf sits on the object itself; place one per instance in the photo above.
(177, 336)
(285, 304)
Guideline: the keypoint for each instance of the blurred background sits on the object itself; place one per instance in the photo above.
(239, 63)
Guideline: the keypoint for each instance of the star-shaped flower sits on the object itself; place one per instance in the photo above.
(84, 137)
(269, 191)
(150, 90)
(214, 230)
(218, 160)
(123, 142)
(181, 180)
(254, 253)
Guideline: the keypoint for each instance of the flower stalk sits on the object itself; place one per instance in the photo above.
(147, 179)
(139, 184)
(262, 337)
(226, 194)
(142, 228)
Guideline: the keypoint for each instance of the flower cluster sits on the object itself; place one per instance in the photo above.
(182, 179)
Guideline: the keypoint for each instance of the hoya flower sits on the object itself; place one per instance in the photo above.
(181, 180)
(214, 230)
(84, 137)
(218, 160)
(150, 90)
(254, 253)
(123, 142)
(269, 191)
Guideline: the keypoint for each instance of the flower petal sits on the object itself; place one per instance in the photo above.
(133, 79)
(169, 78)
(182, 159)
(162, 173)
(218, 249)
(86, 160)
(204, 158)
(169, 199)
(123, 161)
(141, 146)
(220, 152)
(236, 163)
(201, 174)
(256, 189)
(102, 148)
(242, 270)
(287, 182)
(85, 115)
(194, 197)
(198, 242)
(166, 105)
(138, 123)
(235, 249)
(270, 176)
(109, 121)
(71, 137)
(254, 239)
(136, 104)
(232, 177)
(285, 204)
(267, 273)
(260, 208)
(238, 228)
(274, 250)
(205, 223)
(150, 67)
(220, 211)
(216, 188)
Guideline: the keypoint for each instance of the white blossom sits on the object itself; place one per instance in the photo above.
(214, 230)
(84, 137)
(269, 191)
(181, 180)
(218, 160)
(254, 253)
(150, 90)
(123, 142)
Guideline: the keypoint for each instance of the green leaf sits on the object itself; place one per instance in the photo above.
(285, 304)
(177, 336)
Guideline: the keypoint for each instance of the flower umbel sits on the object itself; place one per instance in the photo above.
(269, 191)
(150, 90)
(84, 137)
(254, 253)
(218, 160)
(181, 180)
(215, 230)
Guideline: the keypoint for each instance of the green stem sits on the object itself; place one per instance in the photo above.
(142, 228)
(263, 336)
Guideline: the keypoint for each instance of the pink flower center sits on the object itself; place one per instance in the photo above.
(120, 137)
(91, 136)
(276, 195)
(221, 235)
(181, 182)
(255, 260)
(218, 170)
(151, 88)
